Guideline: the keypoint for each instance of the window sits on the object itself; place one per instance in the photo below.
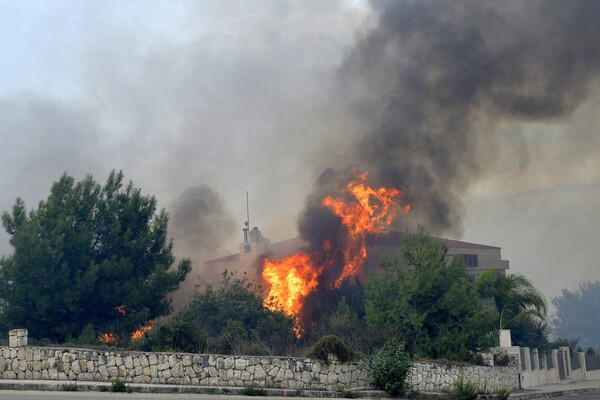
(471, 260)
(247, 248)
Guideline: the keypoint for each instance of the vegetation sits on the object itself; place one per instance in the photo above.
(430, 303)
(520, 306)
(89, 255)
(389, 368)
(118, 386)
(577, 314)
(330, 345)
(69, 387)
(465, 390)
(228, 320)
(252, 390)
(503, 393)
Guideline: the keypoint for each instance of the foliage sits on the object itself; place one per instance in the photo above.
(430, 303)
(590, 352)
(102, 388)
(572, 344)
(520, 306)
(503, 393)
(178, 335)
(89, 254)
(577, 314)
(230, 319)
(330, 344)
(389, 368)
(118, 386)
(252, 390)
(69, 387)
(465, 390)
(530, 332)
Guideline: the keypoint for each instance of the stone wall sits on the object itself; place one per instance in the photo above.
(218, 370)
(434, 377)
(175, 368)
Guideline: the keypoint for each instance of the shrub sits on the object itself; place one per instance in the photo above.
(102, 388)
(330, 344)
(502, 393)
(69, 387)
(465, 390)
(118, 386)
(252, 390)
(389, 368)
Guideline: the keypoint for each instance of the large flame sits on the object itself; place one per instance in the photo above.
(363, 211)
(371, 211)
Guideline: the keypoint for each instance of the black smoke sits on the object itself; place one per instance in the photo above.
(434, 80)
(200, 225)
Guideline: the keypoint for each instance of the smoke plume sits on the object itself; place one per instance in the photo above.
(435, 79)
(200, 226)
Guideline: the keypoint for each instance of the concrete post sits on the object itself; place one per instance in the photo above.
(17, 338)
(582, 364)
(505, 339)
(536, 359)
(567, 358)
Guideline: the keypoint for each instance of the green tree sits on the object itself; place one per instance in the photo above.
(520, 307)
(577, 314)
(235, 321)
(89, 254)
(429, 302)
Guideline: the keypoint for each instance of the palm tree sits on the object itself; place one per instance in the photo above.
(513, 295)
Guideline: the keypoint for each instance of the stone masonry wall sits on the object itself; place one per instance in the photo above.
(219, 370)
(434, 377)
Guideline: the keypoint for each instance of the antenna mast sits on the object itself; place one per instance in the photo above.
(247, 211)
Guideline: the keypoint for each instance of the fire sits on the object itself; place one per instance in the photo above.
(370, 213)
(290, 279)
(109, 338)
(146, 328)
(363, 211)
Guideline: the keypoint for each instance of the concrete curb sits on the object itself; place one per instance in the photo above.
(178, 389)
(554, 393)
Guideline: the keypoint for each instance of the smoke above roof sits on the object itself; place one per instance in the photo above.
(433, 81)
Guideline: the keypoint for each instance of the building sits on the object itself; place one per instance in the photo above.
(477, 257)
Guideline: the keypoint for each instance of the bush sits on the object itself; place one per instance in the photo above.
(330, 344)
(465, 390)
(503, 393)
(118, 386)
(69, 387)
(389, 368)
(252, 390)
(102, 388)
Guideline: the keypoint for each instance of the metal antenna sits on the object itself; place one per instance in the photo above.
(247, 211)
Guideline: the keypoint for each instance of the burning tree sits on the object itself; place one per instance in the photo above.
(357, 211)
(89, 254)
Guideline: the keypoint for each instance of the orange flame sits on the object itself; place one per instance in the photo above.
(369, 214)
(109, 338)
(362, 210)
(290, 280)
(146, 328)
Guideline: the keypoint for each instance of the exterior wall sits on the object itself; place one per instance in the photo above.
(218, 370)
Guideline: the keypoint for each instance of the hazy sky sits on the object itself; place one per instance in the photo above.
(200, 101)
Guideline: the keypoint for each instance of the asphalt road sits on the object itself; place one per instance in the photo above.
(51, 395)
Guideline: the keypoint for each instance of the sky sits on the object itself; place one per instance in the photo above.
(200, 101)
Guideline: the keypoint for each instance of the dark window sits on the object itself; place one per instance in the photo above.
(471, 260)
(247, 248)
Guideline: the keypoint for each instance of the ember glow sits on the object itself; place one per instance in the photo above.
(109, 338)
(146, 328)
(362, 210)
